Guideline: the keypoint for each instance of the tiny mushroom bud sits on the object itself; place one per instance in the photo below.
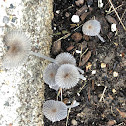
(92, 28)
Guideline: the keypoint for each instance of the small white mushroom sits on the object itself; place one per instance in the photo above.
(92, 28)
(18, 48)
(66, 58)
(67, 76)
(54, 110)
(49, 74)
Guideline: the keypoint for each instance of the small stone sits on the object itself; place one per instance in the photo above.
(11, 6)
(113, 27)
(93, 71)
(114, 91)
(5, 19)
(14, 19)
(57, 11)
(115, 74)
(78, 51)
(103, 65)
(100, 3)
(75, 19)
(6, 103)
(74, 122)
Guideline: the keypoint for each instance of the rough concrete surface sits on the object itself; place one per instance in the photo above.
(22, 88)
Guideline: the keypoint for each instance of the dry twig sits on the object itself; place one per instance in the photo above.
(117, 15)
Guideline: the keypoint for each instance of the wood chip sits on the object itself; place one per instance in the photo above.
(81, 10)
(85, 58)
(70, 48)
(84, 15)
(56, 47)
(110, 19)
(76, 36)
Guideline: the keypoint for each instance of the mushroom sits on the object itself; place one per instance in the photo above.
(49, 75)
(54, 110)
(92, 28)
(18, 48)
(67, 76)
(66, 58)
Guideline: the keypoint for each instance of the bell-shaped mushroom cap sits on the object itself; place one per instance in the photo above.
(18, 49)
(64, 58)
(67, 76)
(91, 28)
(54, 110)
(49, 74)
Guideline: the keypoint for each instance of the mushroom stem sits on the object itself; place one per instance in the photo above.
(80, 70)
(74, 104)
(43, 56)
(61, 93)
(101, 38)
(82, 77)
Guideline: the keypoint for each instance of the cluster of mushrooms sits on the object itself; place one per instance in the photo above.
(61, 73)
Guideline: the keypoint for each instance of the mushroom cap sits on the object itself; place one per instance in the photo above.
(18, 49)
(49, 74)
(91, 28)
(67, 76)
(54, 110)
(64, 58)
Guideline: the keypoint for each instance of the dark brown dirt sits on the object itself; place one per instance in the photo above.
(92, 112)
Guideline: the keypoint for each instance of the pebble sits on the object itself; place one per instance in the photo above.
(5, 19)
(114, 91)
(11, 6)
(14, 19)
(113, 27)
(115, 74)
(103, 65)
(75, 19)
(93, 71)
(74, 122)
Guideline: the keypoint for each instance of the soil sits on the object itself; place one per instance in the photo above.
(107, 59)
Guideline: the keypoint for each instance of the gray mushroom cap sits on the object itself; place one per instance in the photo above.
(91, 28)
(54, 110)
(64, 58)
(49, 74)
(67, 76)
(18, 49)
